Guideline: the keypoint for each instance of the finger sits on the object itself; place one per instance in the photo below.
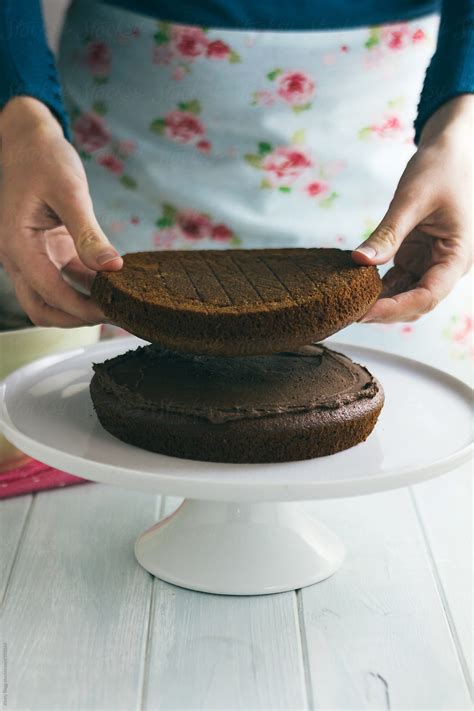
(94, 249)
(78, 276)
(432, 288)
(40, 313)
(40, 273)
(407, 306)
(403, 215)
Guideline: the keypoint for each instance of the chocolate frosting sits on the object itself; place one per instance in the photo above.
(222, 389)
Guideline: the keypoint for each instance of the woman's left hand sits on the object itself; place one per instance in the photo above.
(428, 228)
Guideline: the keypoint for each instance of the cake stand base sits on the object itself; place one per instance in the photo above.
(240, 548)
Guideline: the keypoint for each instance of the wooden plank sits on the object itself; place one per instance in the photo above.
(76, 613)
(222, 652)
(445, 506)
(375, 634)
(13, 517)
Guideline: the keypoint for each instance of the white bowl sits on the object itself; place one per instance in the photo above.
(21, 346)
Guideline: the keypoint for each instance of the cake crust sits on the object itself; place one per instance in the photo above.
(236, 302)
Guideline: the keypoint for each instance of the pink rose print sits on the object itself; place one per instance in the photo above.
(183, 126)
(295, 88)
(165, 238)
(284, 165)
(459, 331)
(179, 73)
(111, 163)
(162, 54)
(218, 50)
(263, 98)
(90, 132)
(393, 37)
(203, 146)
(126, 148)
(222, 233)
(316, 188)
(418, 36)
(292, 168)
(181, 45)
(194, 225)
(390, 126)
(98, 59)
(188, 41)
(92, 135)
(177, 225)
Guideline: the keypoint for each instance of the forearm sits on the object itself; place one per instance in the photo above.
(27, 66)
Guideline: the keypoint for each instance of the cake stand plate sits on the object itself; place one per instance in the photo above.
(241, 529)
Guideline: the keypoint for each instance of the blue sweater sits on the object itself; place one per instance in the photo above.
(27, 65)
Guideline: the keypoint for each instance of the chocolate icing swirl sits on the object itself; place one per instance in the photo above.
(223, 389)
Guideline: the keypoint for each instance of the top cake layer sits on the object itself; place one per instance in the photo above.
(237, 302)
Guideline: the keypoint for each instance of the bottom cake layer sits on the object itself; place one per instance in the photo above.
(282, 407)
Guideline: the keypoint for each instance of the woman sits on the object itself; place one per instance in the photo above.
(227, 124)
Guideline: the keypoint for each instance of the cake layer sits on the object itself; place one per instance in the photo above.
(283, 407)
(237, 302)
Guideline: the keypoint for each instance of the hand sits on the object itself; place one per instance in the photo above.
(47, 223)
(428, 226)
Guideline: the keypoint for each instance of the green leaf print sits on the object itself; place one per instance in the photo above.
(364, 133)
(101, 80)
(264, 148)
(253, 160)
(373, 39)
(328, 201)
(194, 107)
(100, 107)
(303, 107)
(128, 182)
(299, 136)
(234, 57)
(235, 241)
(274, 74)
(84, 155)
(265, 184)
(164, 222)
(160, 38)
(284, 189)
(163, 34)
(169, 212)
(158, 125)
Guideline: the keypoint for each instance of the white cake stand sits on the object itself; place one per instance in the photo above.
(240, 530)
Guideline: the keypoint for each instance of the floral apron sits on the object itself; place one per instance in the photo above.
(201, 138)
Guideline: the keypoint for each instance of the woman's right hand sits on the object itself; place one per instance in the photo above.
(47, 222)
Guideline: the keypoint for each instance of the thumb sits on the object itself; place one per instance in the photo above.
(401, 218)
(93, 248)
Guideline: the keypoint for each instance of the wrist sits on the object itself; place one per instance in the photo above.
(453, 118)
(25, 114)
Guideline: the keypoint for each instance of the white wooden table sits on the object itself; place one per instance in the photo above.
(84, 627)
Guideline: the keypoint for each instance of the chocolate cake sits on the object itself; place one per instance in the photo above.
(237, 302)
(287, 406)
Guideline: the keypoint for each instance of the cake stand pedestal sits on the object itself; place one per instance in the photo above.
(242, 528)
(240, 548)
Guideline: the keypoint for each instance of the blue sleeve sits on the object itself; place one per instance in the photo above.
(27, 66)
(451, 71)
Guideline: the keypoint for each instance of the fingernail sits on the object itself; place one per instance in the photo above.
(368, 251)
(107, 257)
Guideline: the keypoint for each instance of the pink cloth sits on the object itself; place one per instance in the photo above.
(34, 476)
